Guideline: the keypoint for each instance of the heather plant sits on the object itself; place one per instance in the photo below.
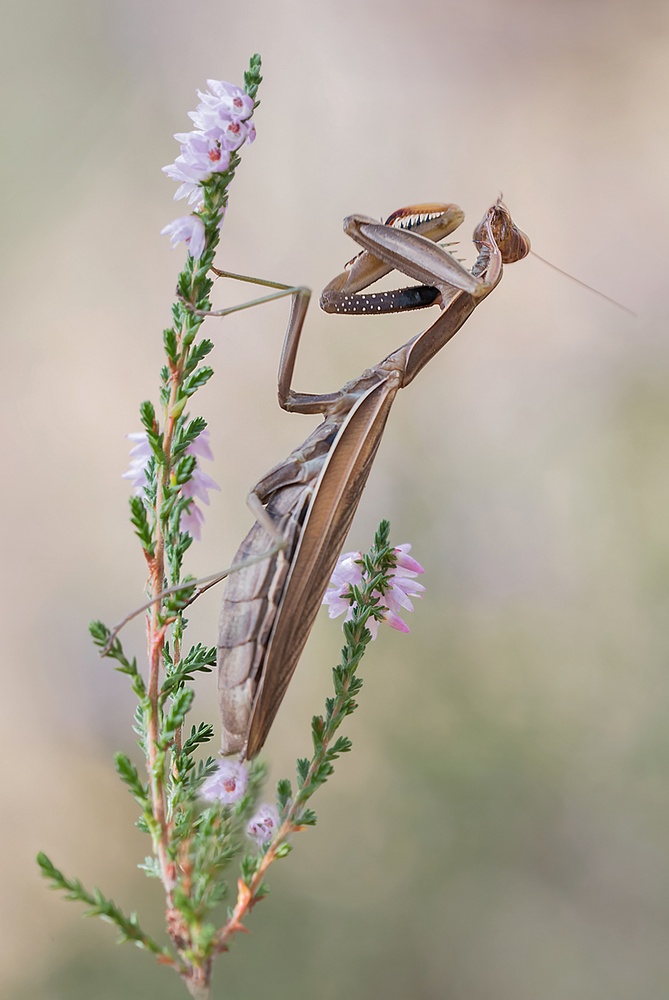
(204, 814)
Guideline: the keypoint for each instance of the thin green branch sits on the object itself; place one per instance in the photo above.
(100, 906)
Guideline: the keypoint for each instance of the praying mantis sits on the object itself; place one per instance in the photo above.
(304, 506)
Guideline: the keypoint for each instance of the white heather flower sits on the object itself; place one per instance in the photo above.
(189, 229)
(348, 572)
(264, 824)
(197, 487)
(227, 784)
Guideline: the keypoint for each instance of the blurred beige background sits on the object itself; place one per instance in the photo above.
(501, 831)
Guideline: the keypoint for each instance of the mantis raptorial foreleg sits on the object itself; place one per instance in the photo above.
(434, 222)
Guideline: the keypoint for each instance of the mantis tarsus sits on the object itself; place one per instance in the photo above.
(309, 500)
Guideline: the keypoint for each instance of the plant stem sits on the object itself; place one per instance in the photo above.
(198, 981)
(156, 638)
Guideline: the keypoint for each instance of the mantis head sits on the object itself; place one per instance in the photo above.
(498, 227)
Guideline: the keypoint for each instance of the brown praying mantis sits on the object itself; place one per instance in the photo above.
(304, 506)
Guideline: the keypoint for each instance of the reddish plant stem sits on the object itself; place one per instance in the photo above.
(156, 640)
(198, 981)
(178, 736)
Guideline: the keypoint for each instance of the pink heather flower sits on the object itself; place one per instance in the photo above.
(238, 133)
(199, 484)
(226, 103)
(227, 784)
(189, 229)
(197, 487)
(201, 447)
(403, 586)
(139, 457)
(239, 104)
(228, 134)
(192, 520)
(222, 125)
(264, 824)
(201, 156)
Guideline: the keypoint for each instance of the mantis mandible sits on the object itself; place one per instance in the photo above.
(309, 500)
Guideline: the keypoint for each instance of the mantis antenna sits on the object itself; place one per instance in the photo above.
(584, 284)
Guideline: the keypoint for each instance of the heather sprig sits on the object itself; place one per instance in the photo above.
(402, 585)
(202, 813)
(194, 835)
(273, 825)
(214, 803)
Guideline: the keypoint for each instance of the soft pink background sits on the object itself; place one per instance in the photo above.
(501, 831)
